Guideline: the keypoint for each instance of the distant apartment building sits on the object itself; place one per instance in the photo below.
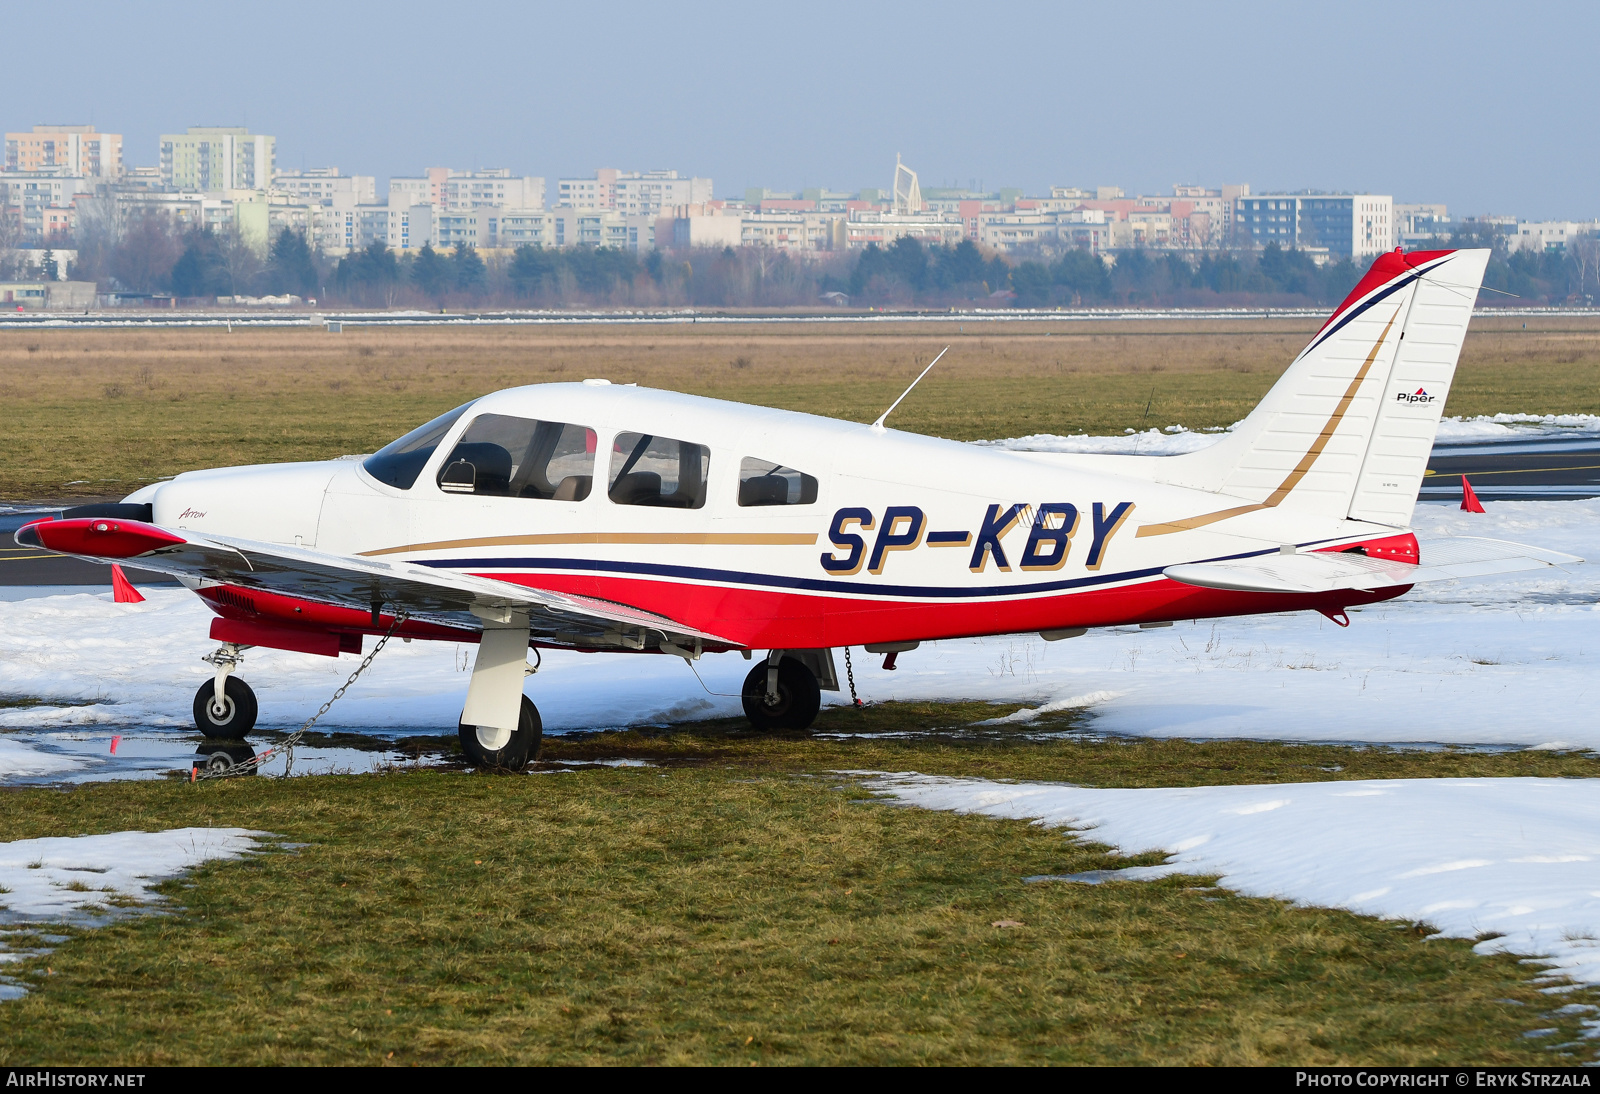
(1417, 223)
(143, 177)
(339, 229)
(68, 149)
(635, 193)
(492, 190)
(466, 227)
(700, 225)
(527, 228)
(208, 158)
(1092, 230)
(42, 203)
(183, 210)
(574, 227)
(449, 190)
(867, 227)
(324, 185)
(793, 230)
(1351, 226)
(1548, 235)
(1216, 205)
(1016, 230)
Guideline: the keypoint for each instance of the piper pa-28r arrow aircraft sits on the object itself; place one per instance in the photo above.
(593, 516)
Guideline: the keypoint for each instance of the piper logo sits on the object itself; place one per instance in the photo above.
(1418, 396)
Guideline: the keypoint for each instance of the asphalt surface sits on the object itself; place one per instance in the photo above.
(1539, 468)
(31, 566)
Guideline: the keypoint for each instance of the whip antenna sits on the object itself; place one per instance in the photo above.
(879, 423)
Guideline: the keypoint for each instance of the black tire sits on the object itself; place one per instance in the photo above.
(522, 748)
(239, 717)
(799, 697)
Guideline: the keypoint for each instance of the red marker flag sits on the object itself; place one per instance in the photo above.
(114, 742)
(1469, 500)
(122, 590)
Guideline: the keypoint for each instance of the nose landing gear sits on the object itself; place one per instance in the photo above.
(225, 707)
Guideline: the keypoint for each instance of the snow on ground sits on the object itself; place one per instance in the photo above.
(1175, 440)
(75, 879)
(1469, 856)
(18, 758)
(70, 878)
(1516, 427)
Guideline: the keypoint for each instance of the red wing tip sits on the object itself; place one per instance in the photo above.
(97, 537)
(28, 534)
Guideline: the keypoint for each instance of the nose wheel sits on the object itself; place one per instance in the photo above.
(230, 719)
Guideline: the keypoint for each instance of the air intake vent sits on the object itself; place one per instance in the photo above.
(235, 600)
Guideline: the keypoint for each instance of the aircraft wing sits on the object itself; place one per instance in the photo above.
(1328, 571)
(424, 593)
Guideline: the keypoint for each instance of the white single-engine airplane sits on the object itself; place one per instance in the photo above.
(718, 527)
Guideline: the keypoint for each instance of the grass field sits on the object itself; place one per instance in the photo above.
(94, 413)
(740, 903)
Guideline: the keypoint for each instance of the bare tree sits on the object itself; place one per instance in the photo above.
(1585, 253)
(10, 239)
(142, 260)
(243, 263)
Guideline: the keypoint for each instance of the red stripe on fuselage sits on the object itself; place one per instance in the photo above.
(769, 619)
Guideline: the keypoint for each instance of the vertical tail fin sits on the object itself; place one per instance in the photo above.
(1347, 430)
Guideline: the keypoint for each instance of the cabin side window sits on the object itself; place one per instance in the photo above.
(658, 471)
(399, 462)
(762, 482)
(501, 456)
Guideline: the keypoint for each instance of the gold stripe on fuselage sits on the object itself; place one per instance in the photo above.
(733, 539)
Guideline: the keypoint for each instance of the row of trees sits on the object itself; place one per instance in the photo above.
(150, 256)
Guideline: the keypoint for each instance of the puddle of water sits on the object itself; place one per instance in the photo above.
(77, 756)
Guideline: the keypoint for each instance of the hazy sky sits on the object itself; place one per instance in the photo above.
(1490, 108)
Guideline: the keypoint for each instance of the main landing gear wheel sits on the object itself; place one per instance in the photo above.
(237, 715)
(799, 697)
(501, 749)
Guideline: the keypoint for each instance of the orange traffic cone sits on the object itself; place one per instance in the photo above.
(123, 592)
(1469, 500)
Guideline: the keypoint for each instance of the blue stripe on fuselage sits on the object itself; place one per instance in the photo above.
(708, 575)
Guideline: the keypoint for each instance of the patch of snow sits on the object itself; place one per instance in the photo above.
(70, 878)
(1516, 427)
(19, 758)
(1175, 440)
(1468, 856)
(1027, 714)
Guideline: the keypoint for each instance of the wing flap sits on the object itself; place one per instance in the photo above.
(1329, 571)
(426, 593)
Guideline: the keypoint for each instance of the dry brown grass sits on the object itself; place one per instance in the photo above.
(105, 410)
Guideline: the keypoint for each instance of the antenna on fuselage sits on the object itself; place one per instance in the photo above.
(879, 423)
